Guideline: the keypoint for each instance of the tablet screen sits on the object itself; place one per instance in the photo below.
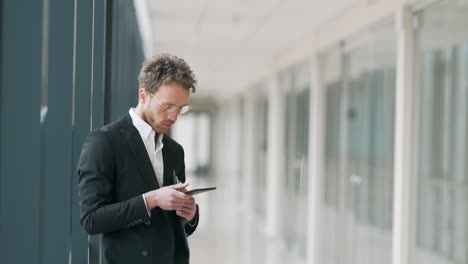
(199, 190)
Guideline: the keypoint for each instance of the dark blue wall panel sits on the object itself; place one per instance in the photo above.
(77, 63)
(57, 140)
(20, 136)
(82, 115)
(125, 56)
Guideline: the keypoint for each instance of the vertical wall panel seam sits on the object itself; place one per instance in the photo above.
(44, 87)
(72, 169)
(92, 66)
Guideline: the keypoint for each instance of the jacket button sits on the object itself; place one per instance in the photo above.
(144, 253)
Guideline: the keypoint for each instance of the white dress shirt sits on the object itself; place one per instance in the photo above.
(154, 152)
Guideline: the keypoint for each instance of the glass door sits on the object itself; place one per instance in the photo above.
(442, 216)
(357, 207)
(331, 204)
(368, 138)
(297, 141)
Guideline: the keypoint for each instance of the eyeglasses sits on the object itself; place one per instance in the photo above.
(172, 108)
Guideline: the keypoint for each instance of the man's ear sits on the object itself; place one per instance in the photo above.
(142, 95)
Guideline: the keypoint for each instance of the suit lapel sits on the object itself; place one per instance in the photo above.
(139, 153)
(168, 166)
(169, 169)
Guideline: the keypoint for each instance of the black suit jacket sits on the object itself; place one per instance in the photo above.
(114, 171)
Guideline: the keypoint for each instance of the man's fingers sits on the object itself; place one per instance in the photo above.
(182, 214)
(181, 195)
(179, 185)
(172, 199)
(184, 207)
(181, 200)
(184, 204)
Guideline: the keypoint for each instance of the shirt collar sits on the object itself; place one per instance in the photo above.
(143, 128)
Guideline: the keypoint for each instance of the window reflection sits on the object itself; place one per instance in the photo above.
(442, 232)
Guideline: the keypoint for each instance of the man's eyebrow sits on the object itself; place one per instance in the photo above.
(175, 104)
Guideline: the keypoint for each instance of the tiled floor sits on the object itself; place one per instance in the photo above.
(229, 235)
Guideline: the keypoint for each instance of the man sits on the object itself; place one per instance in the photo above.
(131, 173)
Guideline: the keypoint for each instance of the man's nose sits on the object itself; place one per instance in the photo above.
(173, 115)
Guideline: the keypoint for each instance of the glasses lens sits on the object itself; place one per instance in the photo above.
(171, 108)
(184, 109)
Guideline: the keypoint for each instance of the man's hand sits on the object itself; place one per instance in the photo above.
(189, 210)
(169, 198)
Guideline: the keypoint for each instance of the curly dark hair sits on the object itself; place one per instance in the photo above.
(165, 69)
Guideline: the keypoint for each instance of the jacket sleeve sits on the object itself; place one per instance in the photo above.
(96, 183)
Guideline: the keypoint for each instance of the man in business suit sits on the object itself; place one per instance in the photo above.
(131, 174)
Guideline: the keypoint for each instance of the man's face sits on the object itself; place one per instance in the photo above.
(155, 113)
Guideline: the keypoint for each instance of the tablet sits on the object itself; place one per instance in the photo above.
(199, 190)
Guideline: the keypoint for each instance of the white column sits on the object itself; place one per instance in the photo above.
(275, 154)
(316, 157)
(405, 163)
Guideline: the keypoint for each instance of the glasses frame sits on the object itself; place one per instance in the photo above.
(172, 108)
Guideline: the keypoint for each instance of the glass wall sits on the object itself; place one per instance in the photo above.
(329, 238)
(228, 124)
(370, 92)
(360, 94)
(442, 230)
(260, 149)
(295, 82)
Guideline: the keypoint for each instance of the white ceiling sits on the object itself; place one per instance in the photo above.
(225, 40)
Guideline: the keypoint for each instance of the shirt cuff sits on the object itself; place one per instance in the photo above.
(148, 211)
